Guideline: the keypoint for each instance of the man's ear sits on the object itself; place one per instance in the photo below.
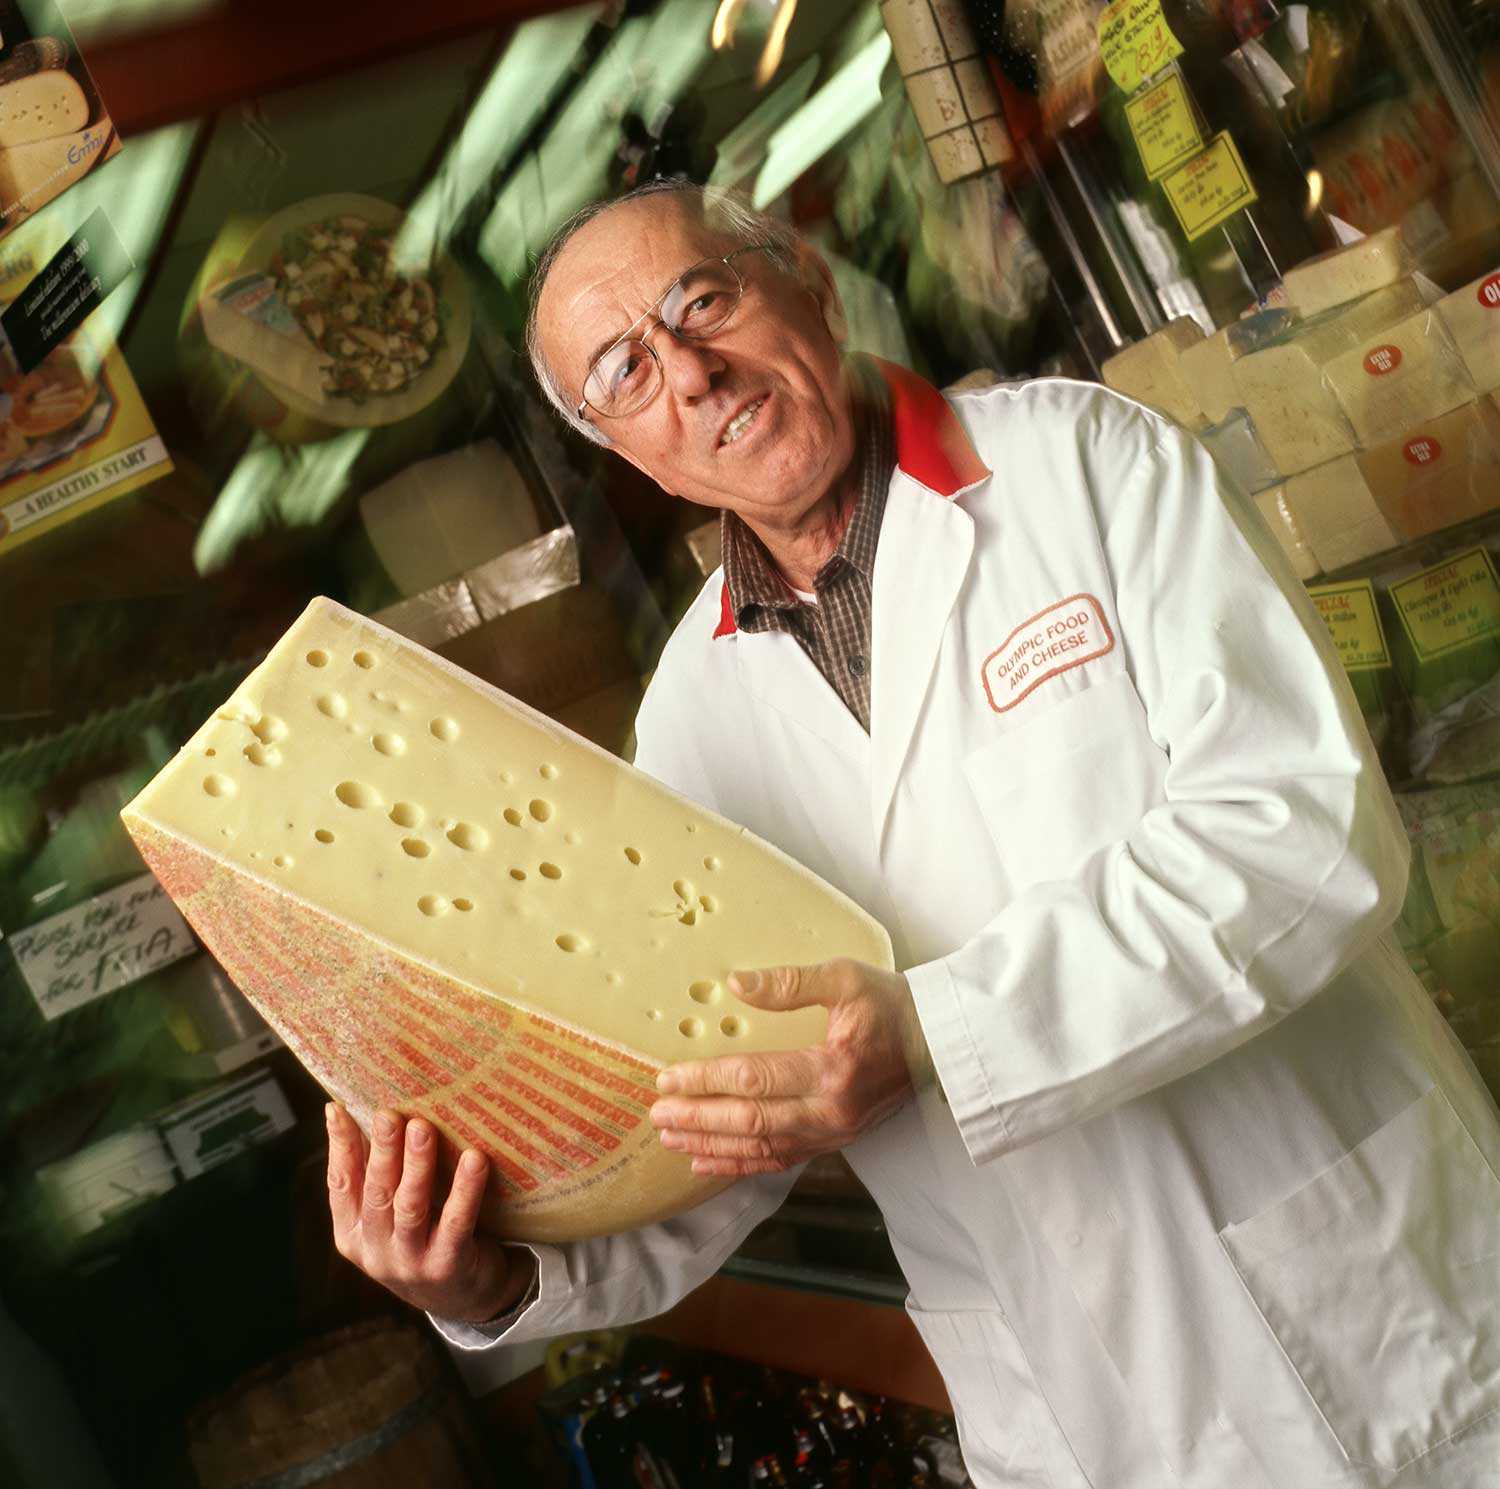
(818, 279)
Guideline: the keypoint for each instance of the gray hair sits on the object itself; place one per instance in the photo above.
(726, 212)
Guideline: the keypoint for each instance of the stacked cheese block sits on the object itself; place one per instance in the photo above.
(46, 142)
(1363, 415)
(447, 904)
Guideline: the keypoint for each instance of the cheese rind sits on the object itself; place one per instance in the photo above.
(445, 903)
(1149, 371)
(1472, 316)
(1346, 273)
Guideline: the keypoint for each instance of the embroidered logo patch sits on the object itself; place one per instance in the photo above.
(1061, 637)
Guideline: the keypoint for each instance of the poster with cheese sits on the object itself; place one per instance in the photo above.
(446, 903)
(54, 128)
(74, 432)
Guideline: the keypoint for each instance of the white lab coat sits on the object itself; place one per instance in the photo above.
(1207, 1196)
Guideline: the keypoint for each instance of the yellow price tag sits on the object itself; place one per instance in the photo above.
(1349, 612)
(1164, 126)
(1135, 41)
(1210, 188)
(1451, 605)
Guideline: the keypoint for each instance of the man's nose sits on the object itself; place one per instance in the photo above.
(687, 367)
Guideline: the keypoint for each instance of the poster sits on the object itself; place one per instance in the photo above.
(54, 128)
(74, 432)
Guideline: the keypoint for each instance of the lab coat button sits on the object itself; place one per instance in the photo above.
(857, 666)
(1075, 1238)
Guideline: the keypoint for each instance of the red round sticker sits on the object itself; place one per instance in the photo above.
(1489, 291)
(1382, 359)
(1423, 450)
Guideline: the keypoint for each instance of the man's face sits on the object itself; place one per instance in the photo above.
(776, 351)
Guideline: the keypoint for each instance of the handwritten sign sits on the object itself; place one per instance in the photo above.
(69, 289)
(101, 945)
(1349, 612)
(1164, 126)
(1135, 41)
(1451, 605)
(1210, 188)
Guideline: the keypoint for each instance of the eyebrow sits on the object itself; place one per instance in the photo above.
(610, 341)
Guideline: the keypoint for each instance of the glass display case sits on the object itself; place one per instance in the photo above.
(304, 375)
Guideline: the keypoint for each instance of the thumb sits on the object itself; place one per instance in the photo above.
(782, 988)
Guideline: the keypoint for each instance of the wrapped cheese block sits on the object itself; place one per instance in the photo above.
(1150, 370)
(1441, 472)
(1472, 316)
(1330, 279)
(447, 904)
(1336, 514)
(1287, 531)
(1208, 365)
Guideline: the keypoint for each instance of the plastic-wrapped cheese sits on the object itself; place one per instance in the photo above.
(1208, 365)
(1444, 471)
(1472, 316)
(1149, 371)
(1337, 515)
(447, 904)
(1287, 531)
(1330, 279)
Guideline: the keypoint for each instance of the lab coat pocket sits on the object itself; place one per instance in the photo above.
(1378, 1280)
(995, 1398)
(1079, 774)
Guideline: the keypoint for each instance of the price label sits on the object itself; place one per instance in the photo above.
(105, 943)
(1210, 188)
(1349, 612)
(1164, 126)
(1135, 41)
(1451, 605)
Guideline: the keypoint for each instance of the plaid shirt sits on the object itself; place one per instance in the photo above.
(834, 632)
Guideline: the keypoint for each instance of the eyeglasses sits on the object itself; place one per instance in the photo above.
(627, 375)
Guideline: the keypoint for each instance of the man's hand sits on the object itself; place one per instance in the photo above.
(758, 1114)
(381, 1198)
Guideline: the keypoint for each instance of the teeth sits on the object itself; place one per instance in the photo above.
(741, 421)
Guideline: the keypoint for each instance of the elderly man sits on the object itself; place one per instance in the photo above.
(1190, 1183)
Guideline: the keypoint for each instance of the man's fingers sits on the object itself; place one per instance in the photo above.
(455, 1227)
(715, 1145)
(412, 1210)
(346, 1166)
(382, 1175)
(731, 1117)
(740, 1168)
(754, 1077)
(781, 988)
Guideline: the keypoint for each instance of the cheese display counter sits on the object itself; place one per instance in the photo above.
(264, 343)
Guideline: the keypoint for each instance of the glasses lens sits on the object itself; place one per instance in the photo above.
(622, 379)
(702, 300)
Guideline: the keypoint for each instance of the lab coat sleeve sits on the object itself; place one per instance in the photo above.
(1275, 858)
(621, 1279)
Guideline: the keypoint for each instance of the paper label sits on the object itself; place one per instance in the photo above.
(1349, 612)
(1422, 450)
(1382, 359)
(1488, 293)
(1164, 126)
(142, 461)
(1210, 188)
(101, 945)
(1135, 41)
(221, 1127)
(1451, 605)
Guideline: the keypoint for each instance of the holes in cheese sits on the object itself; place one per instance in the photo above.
(217, 785)
(692, 1028)
(389, 744)
(317, 657)
(444, 729)
(333, 706)
(364, 660)
(522, 1001)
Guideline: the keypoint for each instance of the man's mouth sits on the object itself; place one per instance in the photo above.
(741, 422)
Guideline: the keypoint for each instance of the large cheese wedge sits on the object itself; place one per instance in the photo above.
(41, 107)
(1440, 473)
(1208, 365)
(32, 175)
(1472, 316)
(1332, 507)
(1330, 279)
(447, 904)
(1148, 371)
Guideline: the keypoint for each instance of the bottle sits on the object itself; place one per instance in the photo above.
(608, 1441)
(718, 1465)
(810, 1460)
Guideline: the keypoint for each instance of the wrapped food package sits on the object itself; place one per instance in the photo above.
(1208, 365)
(1345, 274)
(1438, 473)
(1285, 528)
(1150, 370)
(1335, 511)
(1472, 316)
(446, 903)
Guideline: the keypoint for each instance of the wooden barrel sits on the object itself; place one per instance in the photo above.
(373, 1406)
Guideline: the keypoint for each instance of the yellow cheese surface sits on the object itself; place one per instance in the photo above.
(41, 107)
(1472, 316)
(446, 903)
(1295, 413)
(1346, 273)
(1442, 472)
(1337, 515)
(1287, 531)
(1149, 371)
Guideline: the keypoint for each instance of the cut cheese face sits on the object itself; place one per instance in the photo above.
(1331, 279)
(1149, 372)
(1296, 415)
(1472, 316)
(1442, 472)
(41, 107)
(447, 904)
(1337, 514)
(1399, 377)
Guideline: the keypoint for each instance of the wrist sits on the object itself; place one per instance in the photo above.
(520, 1279)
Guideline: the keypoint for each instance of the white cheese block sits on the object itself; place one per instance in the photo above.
(1472, 316)
(1149, 372)
(1444, 471)
(1345, 274)
(41, 107)
(1337, 515)
(445, 903)
(1287, 531)
(32, 175)
(1208, 365)
(1398, 377)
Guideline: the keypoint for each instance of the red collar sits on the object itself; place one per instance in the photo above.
(931, 448)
